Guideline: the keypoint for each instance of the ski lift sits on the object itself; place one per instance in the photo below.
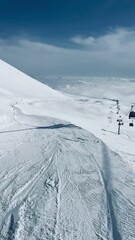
(131, 124)
(120, 121)
(132, 115)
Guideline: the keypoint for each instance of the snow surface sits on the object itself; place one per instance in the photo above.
(57, 179)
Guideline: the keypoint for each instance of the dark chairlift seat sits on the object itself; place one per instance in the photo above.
(132, 115)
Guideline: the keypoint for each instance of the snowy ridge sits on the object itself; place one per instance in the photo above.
(57, 180)
(17, 84)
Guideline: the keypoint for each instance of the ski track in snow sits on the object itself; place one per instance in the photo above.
(96, 181)
(57, 164)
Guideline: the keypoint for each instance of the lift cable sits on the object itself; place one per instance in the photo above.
(126, 114)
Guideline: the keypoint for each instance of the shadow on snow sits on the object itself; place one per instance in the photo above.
(55, 126)
(106, 176)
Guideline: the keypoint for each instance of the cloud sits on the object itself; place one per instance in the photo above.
(83, 41)
(112, 54)
(113, 41)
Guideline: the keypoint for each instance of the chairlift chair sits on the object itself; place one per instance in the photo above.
(131, 124)
(132, 115)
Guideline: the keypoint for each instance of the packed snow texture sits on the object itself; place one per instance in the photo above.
(65, 173)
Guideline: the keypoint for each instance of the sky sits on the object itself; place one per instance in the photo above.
(69, 37)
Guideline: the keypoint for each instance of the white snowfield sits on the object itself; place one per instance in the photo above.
(58, 181)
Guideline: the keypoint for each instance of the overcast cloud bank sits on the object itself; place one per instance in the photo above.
(112, 54)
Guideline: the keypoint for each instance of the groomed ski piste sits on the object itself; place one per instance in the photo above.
(65, 173)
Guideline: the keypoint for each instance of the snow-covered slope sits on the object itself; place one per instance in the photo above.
(18, 88)
(58, 181)
(15, 83)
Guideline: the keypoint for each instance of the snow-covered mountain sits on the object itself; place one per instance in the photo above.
(57, 180)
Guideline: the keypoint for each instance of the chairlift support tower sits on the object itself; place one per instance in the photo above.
(120, 123)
